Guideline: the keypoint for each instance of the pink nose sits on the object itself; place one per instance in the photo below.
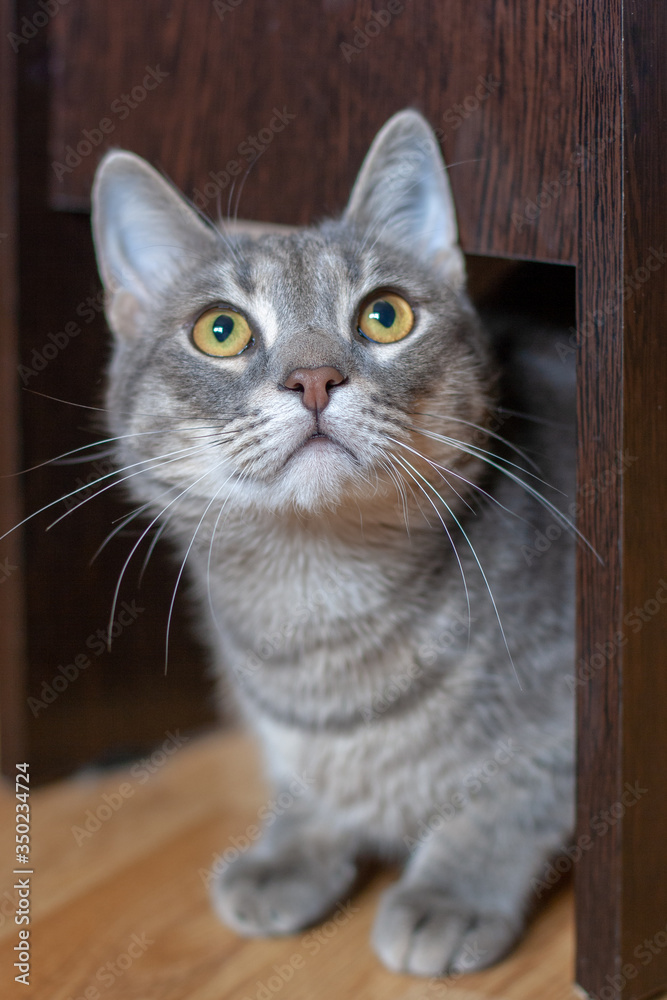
(314, 383)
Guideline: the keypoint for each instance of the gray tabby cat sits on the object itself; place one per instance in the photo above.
(310, 414)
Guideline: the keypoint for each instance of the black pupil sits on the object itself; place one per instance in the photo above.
(383, 312)
(223, 326)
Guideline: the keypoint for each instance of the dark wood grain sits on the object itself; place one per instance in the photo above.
(12, 652)
(600, 441)
(509, 150)
(622, 883)
(644, 528)
(121, 703)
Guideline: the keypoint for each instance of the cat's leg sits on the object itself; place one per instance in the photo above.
(460, 904)
(292, 877)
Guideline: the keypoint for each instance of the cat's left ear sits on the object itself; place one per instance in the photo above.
(145, 233)
(402, 195)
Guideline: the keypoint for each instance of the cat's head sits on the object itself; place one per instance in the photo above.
(291, 370)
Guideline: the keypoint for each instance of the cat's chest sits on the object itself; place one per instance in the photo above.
(289, 587)
(381, 778)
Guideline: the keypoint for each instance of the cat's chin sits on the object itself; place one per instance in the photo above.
(319, 476)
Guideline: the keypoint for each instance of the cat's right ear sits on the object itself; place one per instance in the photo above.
(145, 233)
(402, 195)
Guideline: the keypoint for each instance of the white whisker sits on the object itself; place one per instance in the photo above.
(124, 521)
(151, 548)
(483, 455)
(116, 412)
(440, 469)
(79, 489)
(475, 451)
(82, 459)
(57, 459)
(242, 478)
(407, 467)
(557, 424)
(143, 535)
(400, 488)
(185, 559)
(481, 569)
(180, 454)
(469, 482)
(479, 427)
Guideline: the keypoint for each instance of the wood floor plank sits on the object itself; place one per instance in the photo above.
(125, 915)
(68, 857)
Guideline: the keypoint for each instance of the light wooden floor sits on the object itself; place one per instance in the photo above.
(139, 877)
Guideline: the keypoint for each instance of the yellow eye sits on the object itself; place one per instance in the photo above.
(386, 318)
(222, 333)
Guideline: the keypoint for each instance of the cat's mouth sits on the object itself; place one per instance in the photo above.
(320, 441)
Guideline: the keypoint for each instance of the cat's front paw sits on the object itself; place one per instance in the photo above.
(270, 896)
(425, 932)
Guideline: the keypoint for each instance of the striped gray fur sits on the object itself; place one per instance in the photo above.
(340, 584)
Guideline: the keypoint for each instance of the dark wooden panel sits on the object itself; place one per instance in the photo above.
(510, 140)
(121, 702)
(12, 662)
(644, 526)
(600, 273)
(621, 880)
